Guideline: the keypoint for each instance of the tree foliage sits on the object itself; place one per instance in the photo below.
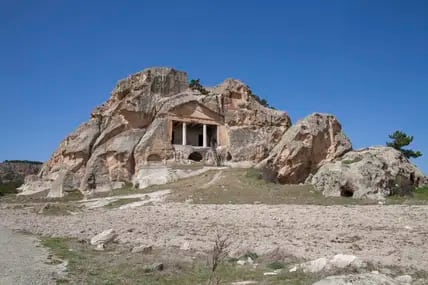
(262, 101)
(195, 84)
(400, 140)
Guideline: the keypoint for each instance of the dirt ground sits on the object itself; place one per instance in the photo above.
(24, 261)
(392, 235)
(387, 235)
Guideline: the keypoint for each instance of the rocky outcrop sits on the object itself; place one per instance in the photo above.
(310, 143)
(373, 172)
(113, 147)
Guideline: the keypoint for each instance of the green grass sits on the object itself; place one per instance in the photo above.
(350, 161)
(276, 265)
(419, 196)
(9, 188)
(120, 202)
(119, 266)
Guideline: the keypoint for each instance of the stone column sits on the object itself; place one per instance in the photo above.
(204, 135)
(184, 134)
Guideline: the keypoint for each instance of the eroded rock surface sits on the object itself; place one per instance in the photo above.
(135, 126)
(372, 172)
(310, 143)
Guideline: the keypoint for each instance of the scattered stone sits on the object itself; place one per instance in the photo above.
(153, 267)
(404, 279)
(145, 249)
(100, 247)
(358, 279)
(338, 261)
(241, 262)
(314, 266)
(271, 273)
(104, 237)
(44, 207)
(185, 246)
(343, 260)
(248, 261)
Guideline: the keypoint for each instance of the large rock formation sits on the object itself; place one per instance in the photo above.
(136, 124)
(306, 146)
(372, 172)
(154, 117)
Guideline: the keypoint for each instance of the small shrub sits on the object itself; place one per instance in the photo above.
(251, 255)
(195, 84)
(254, 173)
(9, 188)
(350, 161)
(276, 265)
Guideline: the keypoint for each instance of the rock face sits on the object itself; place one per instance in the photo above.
(310, 143)
(373, 172)
(138, 125)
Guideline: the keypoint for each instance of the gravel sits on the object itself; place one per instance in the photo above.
(390, 235)
(23, 261)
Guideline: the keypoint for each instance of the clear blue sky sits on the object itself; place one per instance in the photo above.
(364, 61)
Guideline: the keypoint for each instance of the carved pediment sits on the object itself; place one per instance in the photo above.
(195, 111)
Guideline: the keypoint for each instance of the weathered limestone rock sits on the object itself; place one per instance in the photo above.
(103, 237)
(145, 249)
(358, 279)
(310, 143)
(134, 127)
(339, 261)
(372, 172)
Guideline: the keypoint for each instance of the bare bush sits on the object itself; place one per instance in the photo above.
(219, 254)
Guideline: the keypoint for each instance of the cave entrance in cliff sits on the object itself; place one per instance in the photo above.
(194, 134)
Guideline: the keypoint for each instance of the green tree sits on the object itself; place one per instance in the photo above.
(195, 84)
(400, 140)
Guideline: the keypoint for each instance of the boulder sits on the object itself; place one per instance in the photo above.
(373, 172)
(310, 143)
(404, 279)
(145, 249)
(339, 261)
(153, 267)
(103, 237)
(358, 279)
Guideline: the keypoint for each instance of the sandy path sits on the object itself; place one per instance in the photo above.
(390, 235)
(22, 262)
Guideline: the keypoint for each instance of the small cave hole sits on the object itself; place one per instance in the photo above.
(195, 156)
(346, 191)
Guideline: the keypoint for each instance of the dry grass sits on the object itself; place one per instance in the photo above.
(245, 186)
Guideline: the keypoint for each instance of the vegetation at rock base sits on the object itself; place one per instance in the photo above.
(400, 140)
(195, 84)
(9, 188)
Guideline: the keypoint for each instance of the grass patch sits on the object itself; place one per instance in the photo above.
(120, 202)
(119, 266)
(419, 196)
(276, 265)
(351, 161)
(246, 186)
(9, 188)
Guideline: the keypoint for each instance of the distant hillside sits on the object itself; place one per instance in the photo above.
(13, 172)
